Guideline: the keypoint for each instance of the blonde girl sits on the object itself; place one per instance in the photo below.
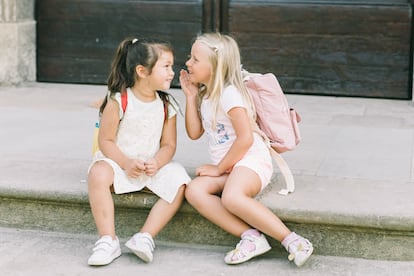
(136, 147)
(218, 104)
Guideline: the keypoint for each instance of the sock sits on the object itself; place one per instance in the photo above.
(289, 239)
(250, 232)
(247, 245)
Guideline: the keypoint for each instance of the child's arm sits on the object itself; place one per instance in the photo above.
(241, 145)
(193, 123)
(167, 148)
(107, 137)
(244, 138)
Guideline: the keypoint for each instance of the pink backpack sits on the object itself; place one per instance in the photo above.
(278, 122)
(275, 118)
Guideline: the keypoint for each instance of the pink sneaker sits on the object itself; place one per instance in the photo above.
(249, 247)
(300, 249)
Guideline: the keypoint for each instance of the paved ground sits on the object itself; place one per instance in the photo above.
(44, 253)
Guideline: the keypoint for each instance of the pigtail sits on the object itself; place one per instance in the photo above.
(117, 80)
(119, 77)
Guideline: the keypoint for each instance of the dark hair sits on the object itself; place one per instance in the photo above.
(132, 52)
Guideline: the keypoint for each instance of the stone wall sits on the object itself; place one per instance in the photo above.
(17, 42)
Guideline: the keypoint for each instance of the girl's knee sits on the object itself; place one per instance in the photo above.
(190, 192)
(99, 174)
(230, 200)
(194, 193)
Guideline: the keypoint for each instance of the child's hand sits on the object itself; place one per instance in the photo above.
(151, 167)
(134, 168)
(190, 89)
(208, 170)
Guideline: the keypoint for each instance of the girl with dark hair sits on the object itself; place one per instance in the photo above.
(137, 142)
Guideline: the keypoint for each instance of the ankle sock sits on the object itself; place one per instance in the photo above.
(289, 240)
(250, 232)
(246, 244)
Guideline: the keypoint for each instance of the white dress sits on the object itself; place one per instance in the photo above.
(139, 135)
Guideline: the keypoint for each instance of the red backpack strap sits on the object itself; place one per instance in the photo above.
(124, 100)
(124, 103)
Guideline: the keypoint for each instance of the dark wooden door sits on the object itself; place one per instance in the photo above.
(339, 47)
(346, 48)
(76, 39)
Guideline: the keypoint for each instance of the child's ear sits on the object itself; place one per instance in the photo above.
(141, 71)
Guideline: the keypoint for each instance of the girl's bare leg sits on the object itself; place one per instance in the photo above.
(161, 213)
(100, 180)
(241, 187)
(202, 193)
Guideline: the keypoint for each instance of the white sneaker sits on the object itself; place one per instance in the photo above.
(142, 245)
(105, 251)
(299, 248)
(240, 254)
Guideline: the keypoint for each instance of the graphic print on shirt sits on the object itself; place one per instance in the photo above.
(222, 135)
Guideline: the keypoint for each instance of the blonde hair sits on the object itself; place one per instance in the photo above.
(225, 64)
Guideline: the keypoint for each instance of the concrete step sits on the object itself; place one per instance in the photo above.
(28, 252)
(352, 171)
(333, 234)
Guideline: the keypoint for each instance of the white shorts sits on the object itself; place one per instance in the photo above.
(261, 164)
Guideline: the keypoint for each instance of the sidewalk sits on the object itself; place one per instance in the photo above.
(38, 253)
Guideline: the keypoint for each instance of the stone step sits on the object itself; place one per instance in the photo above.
(333, 234)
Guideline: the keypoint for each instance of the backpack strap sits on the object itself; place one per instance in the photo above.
(280, 162)
(286, 172)
(124, 103)
(124, 100)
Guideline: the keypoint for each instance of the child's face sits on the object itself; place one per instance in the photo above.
(199, 69)
(162, 73)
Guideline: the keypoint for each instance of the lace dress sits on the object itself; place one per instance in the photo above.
(139, 137)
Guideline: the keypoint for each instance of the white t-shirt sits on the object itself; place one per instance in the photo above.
(223, 135)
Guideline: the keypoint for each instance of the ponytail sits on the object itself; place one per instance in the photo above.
(119, 79)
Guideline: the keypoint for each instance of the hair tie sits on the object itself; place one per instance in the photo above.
(134, 40)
